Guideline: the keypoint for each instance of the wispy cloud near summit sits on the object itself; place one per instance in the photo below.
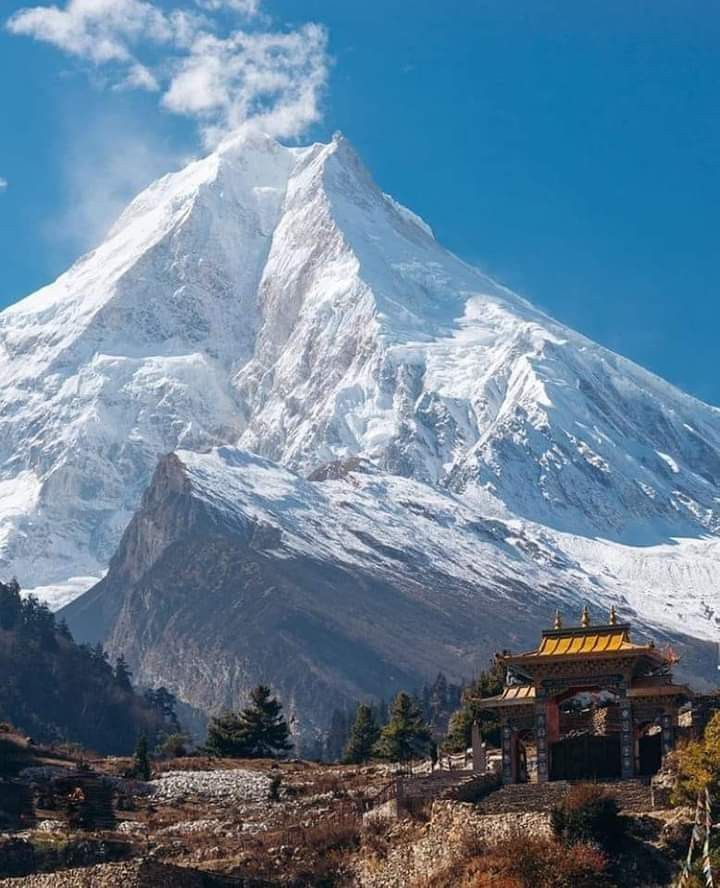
(224, 76)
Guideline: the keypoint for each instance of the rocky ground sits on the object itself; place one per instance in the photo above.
(255, 822)
(262, 824)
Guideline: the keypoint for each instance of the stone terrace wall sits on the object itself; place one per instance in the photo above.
(138, 874)
(420, 851)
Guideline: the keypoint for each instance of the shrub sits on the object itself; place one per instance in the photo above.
(141, 768)
(589, 814)
(697, 764)
(541, 863)
(275, 784)
(536, 863)
(174, 746)
(375, 836)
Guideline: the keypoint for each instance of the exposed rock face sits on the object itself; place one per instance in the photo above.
(236, 571)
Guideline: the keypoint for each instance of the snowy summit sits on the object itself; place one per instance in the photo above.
(274, 300)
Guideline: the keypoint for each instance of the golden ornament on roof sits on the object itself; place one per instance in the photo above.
(585, 620)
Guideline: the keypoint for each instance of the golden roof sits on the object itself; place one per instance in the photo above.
(592, 643)
(518, 692)
(513, 695)
(585, 641)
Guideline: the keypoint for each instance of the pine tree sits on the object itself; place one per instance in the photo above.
(439, 697)
(381, 713)
(459, 735)
(165, 704)
(337, 735)
(63, 630)
(363, 737)
(123, 676)
(10, 605)
(38, 621)
(141, 759)
(226, 737)
(259, 731)
(489, 683)
(406, 735)
(264, 725)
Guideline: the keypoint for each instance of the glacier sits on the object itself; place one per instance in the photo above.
(274, 300)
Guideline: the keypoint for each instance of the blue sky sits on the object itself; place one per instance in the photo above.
(570, 149)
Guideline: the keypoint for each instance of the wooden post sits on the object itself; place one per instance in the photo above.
(627, 740)
(667, 733)
(541, 743)
(509, 755)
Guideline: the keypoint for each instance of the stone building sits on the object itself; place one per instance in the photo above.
(588, 703)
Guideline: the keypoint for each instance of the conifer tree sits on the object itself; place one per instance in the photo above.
(488, 683)
(64, 630)
(337, 735)
(225, 736)
(123, 676)
(406, 735)
(10, 604)
(382, 713)
(363, 736)
(259, 731)
(141, 759)
(165, 704)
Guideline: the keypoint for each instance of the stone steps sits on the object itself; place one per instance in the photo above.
(631, 795)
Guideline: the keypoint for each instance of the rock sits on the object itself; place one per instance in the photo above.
(51, 826)
(221, 786)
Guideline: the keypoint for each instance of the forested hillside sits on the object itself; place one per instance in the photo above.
(57, 690)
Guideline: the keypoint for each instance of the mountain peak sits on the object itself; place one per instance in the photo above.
(273, 298)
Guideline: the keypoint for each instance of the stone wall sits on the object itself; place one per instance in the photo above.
(138, 874)
(418, 851)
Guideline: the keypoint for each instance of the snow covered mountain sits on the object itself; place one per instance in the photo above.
(275, 300)
(349, 584)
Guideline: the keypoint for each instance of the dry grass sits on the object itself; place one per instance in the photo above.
(538, 863)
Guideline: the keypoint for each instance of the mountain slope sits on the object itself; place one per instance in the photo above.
(274, 298)
(352, 584)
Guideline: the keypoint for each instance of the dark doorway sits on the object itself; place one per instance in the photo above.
(585, 758)
(650, 753)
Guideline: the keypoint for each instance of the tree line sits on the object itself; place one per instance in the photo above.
(412, 726)
(59, 691)
(447, 710)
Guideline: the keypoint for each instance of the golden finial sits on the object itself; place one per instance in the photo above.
(585, 619)
(613, 616)
(558, 620)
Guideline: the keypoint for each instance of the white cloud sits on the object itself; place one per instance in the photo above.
(116, 158)
(97, 30)
(248, 8)
(139, 77)
(224, 78)
(271, 79)
(3, 184)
